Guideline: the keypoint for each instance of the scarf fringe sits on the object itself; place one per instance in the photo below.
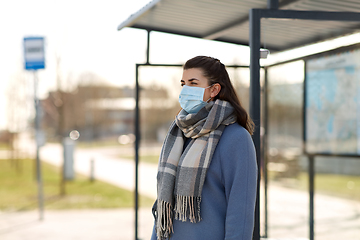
(164, 226)
(187, 207)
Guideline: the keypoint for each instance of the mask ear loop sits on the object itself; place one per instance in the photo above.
(207, 101)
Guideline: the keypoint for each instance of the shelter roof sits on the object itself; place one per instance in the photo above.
(228, 21)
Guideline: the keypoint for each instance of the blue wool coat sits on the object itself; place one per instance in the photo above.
(229, 192)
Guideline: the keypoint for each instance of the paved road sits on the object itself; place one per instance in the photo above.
(108, 167)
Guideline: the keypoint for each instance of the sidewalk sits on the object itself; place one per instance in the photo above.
(113, 224)
(108, 167)
(288, 217)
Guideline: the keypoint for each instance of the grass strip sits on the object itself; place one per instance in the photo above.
(19, 191)
(343, 186)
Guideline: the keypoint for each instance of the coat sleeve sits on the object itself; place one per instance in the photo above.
(239, 176)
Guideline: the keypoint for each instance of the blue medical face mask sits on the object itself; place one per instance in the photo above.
(191, 98)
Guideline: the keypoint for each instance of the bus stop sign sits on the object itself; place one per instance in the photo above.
(34, 54)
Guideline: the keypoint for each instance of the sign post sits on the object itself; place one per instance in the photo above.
(34, 56)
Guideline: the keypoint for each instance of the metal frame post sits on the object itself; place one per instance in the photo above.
(137, 133)
(272, 4)
(311, 195)
(265, 151)
(137, 144)
(254, 28)
(148, 47)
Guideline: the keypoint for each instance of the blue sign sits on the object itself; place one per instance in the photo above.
(34, 54)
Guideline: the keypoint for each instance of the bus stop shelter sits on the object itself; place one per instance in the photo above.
(277, 25)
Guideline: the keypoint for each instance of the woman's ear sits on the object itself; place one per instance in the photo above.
(215, 90)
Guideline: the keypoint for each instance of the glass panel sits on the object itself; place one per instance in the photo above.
(337, 198)
(241, 80)
(288, 204)
(160, 88)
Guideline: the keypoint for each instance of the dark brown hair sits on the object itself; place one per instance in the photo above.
(216, 72)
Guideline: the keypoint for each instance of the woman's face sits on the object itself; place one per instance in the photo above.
(194, 77)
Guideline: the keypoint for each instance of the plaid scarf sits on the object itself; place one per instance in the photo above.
(181, 173)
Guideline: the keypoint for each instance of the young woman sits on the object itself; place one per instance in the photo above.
(207, 168)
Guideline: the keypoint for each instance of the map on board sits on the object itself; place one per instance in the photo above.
(333, 104)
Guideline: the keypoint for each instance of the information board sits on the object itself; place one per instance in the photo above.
(34, 54)
(332, 104)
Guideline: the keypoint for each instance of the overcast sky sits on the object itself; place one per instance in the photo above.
(83, 35)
